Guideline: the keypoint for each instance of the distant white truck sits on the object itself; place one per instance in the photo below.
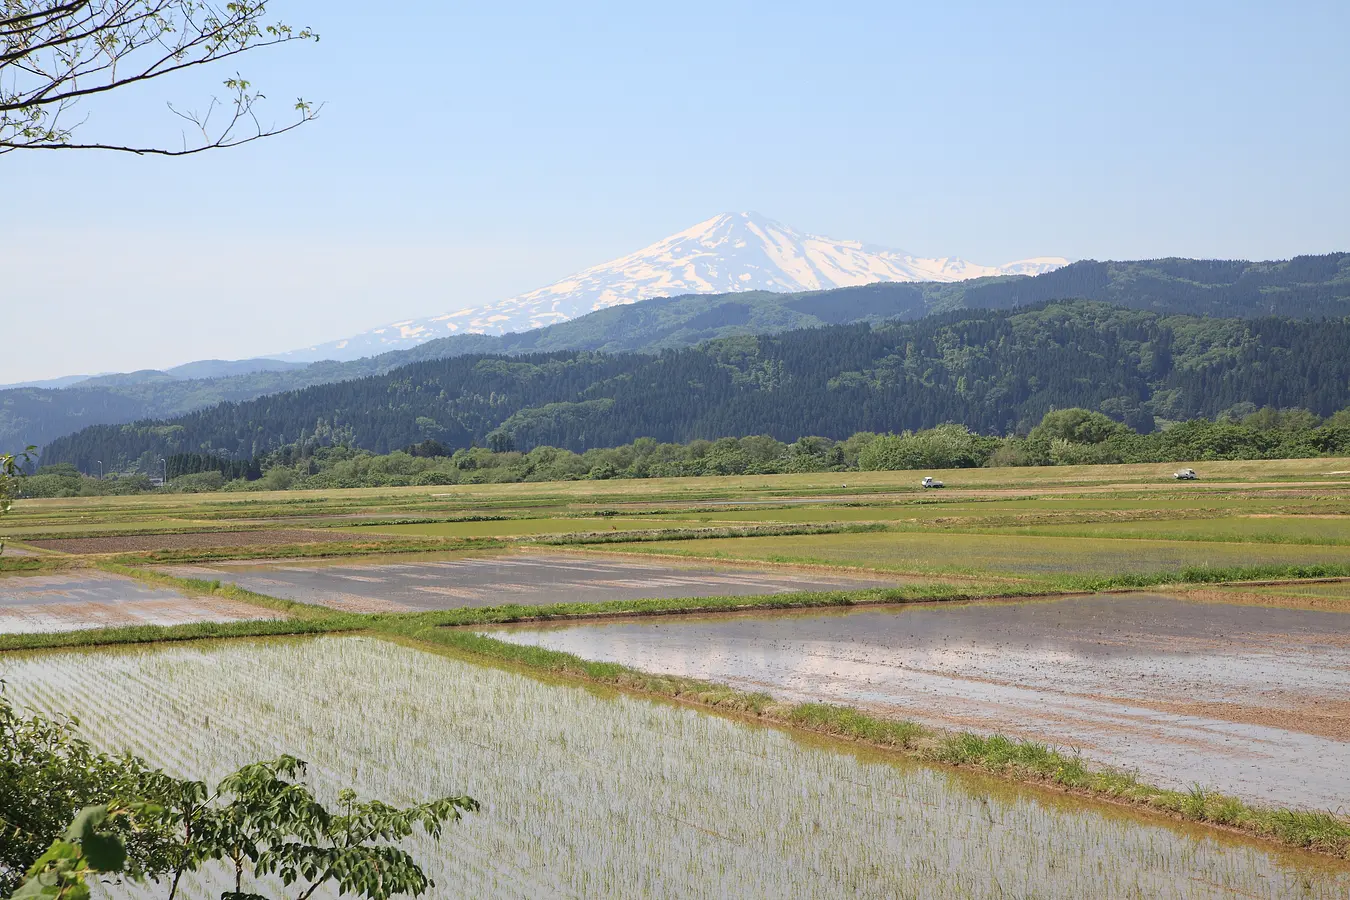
(930, 482)
(1185, 475)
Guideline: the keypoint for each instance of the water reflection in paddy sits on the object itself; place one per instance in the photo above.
(1251, 700)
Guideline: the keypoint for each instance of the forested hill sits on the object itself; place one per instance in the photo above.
(1302, 287)
(994, 370)
(1306, 286)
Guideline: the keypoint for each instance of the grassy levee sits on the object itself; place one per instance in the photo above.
(1022, 761)
(34, 563)
(1196, 575)
(192, 631)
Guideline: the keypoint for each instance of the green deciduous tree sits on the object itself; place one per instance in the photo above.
(131, 820)
(47, 774)
(56, 55)
(1077, 426)
(944, 447)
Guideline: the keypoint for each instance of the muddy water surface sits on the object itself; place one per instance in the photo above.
(42, 603)
(426, 582)
(1249, 700)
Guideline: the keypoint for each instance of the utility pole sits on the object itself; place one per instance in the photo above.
(100, 470)
(164, 481)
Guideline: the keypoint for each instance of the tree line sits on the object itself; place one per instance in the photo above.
(1073, 436)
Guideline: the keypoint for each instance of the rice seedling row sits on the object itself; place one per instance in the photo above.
(592, 794)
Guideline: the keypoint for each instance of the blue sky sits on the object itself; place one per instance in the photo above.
(469, 154)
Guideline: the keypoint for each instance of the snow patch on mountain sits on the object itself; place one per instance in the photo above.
(727, 253)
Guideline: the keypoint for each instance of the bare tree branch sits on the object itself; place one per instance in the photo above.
(56, 54)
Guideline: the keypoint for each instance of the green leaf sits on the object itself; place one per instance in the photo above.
(103, 852)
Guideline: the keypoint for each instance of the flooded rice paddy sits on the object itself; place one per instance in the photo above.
(45, 603)
(592, 794)
(424, 581)
(1250, 700)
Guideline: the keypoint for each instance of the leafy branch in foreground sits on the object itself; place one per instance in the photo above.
(47, 774)
(137, 822)
(55, 54)
(9, 471)
(82, 854)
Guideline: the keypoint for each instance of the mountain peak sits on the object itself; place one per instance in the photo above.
(730, 252)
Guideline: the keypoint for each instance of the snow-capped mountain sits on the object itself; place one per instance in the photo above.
(730, 252)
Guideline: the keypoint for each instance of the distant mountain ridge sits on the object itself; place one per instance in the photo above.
(1305, 287)
(202, 368)
(728, 253)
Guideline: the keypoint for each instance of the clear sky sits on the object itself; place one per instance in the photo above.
(468, 153)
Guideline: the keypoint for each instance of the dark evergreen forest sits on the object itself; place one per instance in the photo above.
(995, 371)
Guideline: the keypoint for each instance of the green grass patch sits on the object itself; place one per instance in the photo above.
(1290, 529)
(44, 563)
(20, 563)
(959, 553)
(1327, 590)
(841, 721)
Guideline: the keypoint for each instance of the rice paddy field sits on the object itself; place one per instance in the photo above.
(955, 552)
(591, 794)
(1253, 701)
(1331, 530)
(825, 636)
(45, 603)
(523, 526)
(440, 581)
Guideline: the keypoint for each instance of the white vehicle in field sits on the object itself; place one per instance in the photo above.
(930, 482)
(1185, 475)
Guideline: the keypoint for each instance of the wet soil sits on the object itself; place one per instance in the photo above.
(450, 582)
(1246, 699)
(270, 537)
(64, 602)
